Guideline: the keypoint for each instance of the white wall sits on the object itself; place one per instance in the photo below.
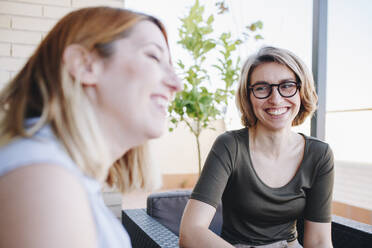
(176, 152)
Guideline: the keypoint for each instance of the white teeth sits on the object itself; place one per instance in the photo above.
(278, 111)
(161, 102)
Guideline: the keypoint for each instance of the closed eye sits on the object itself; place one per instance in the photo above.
(154, 57)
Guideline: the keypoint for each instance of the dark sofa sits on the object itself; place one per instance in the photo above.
(158, 225)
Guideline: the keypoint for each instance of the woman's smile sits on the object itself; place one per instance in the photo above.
(161, 102)
(277, 111)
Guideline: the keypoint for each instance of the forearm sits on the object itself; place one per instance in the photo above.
(317, 235)
(318, 245)
(201, 237)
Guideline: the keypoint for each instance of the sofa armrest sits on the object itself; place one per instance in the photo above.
(346, 233)
(144, 231)
(350, 233)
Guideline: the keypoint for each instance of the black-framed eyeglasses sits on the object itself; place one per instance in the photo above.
(286, 89)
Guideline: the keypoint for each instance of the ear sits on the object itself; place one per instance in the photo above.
(82, 64)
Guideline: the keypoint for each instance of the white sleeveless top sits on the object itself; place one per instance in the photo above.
(44, 148)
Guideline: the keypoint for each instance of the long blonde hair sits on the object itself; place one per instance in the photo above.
(43, 88)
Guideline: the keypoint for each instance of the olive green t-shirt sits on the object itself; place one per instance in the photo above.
(253, 212)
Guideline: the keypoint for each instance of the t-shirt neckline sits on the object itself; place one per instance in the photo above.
(260, 180)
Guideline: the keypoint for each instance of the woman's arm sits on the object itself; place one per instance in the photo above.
(200, 209)
(194, 231)
(317, 235)
(44, 206)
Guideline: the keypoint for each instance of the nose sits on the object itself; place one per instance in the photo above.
(172, 80)
(275, 97)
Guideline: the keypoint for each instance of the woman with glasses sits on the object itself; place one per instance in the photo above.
(266, 175)
(76, 117)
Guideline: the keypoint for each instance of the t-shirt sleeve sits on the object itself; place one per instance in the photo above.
(319, 196)
(216, 171)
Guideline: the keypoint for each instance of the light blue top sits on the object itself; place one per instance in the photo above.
(44, 148)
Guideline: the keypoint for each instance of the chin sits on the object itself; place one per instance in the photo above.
(155, 132)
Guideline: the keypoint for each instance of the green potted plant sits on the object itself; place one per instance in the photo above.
(198, 105)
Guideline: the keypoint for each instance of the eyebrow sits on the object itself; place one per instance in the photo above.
(155, 44)
(281, 81)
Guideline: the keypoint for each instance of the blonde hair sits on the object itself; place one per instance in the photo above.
(268, 54)
(43, 88)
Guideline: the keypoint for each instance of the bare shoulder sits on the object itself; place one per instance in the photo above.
(44, 205)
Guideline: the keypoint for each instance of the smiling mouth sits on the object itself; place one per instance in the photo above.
(276, 111)
(161, 102)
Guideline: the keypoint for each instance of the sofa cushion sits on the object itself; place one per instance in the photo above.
(167, 208)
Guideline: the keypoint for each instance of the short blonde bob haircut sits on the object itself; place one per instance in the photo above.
(44, 89)
(269, 54)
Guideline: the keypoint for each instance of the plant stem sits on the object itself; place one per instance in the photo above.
(199, 156)
(196, 134)
(190, 126)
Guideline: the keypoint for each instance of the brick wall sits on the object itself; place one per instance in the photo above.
(23, 24)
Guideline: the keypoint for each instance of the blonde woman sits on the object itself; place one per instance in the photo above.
(76, 116)
(266, 175)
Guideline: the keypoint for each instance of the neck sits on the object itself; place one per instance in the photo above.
(116, 149)
(118, 139)
(272, 142)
